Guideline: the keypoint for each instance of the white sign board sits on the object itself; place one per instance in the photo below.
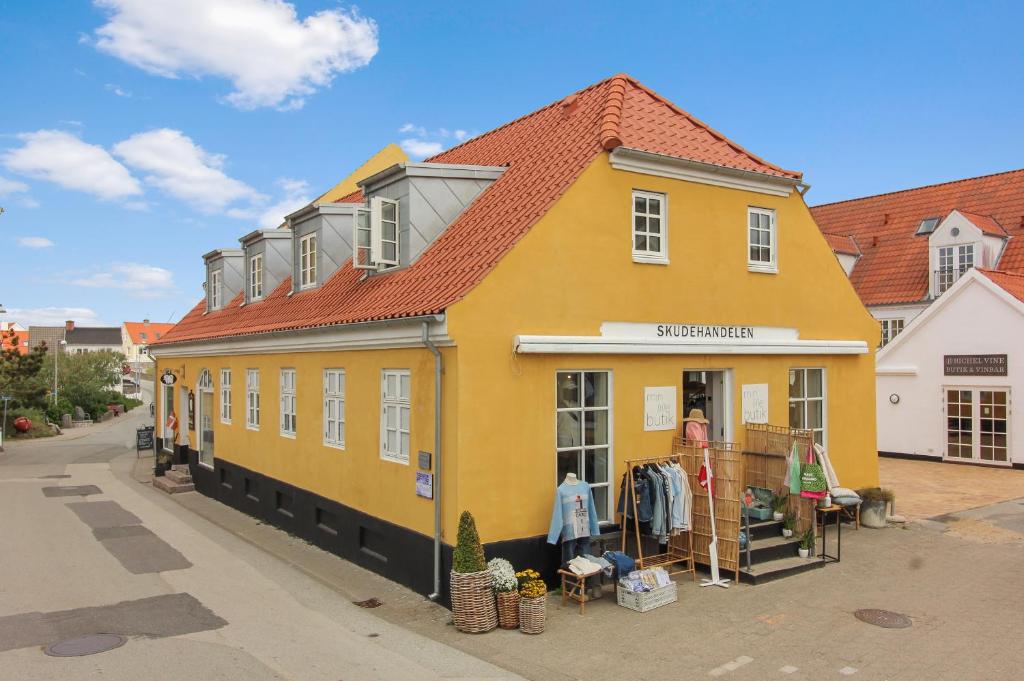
(425, 485)
(698, 333)
(660, 408)
(755, 403)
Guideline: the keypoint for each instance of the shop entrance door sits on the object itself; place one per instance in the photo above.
(709, 390)
(976, 425)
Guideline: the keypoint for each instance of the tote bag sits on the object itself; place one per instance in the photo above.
(793, 466)
(812, 478)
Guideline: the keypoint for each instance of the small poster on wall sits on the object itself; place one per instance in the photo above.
(660, 408)
(425, 485)
(755, 403)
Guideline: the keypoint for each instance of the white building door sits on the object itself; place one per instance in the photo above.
(977, 425)
(204, 419)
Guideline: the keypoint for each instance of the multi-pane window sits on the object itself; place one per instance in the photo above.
(583, 417)
(385, 232)
(650, 227)
(954, 261)
(216, 289)
(395, 404)
(307, 261)
(960, 424)
(807, 404)
(225, 396)
(334, 407)
(761, 240)
(288, 402)
(252, 399)
(256, 277)
(890, 329)
(976, 424)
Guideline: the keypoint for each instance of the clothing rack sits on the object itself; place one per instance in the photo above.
(680, 550)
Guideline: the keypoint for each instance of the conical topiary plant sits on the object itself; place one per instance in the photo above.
(469, 554)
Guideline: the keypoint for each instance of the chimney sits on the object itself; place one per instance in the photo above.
(145, 322)
(69, 325)
(885, 220)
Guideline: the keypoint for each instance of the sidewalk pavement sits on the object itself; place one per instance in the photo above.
(929, 488)
(797, 628)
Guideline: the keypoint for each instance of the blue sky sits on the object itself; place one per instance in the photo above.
(137, 135)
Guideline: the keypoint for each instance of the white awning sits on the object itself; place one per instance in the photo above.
(609, 345)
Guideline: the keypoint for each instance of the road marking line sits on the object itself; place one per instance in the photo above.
(789, 669)
(731, 665)
(848, 671)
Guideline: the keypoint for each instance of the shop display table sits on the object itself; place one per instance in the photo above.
(574, 587)
(821, 515)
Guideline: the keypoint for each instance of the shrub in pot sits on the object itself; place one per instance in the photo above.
(473, 607)
(506, 590)
(874, 506)
(788, 523)
(779, 504)
(806, 543)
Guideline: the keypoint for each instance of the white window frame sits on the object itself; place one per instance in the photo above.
(647, 256)
(399, 404)
(307, 261)
(225, 396)
(771, 266)
(334, 408)
(216, 289)
(256, 277)
(362, 240)
(252, 399)
(805, 400)
(976, 418)
(959, 264)
(581, 446)
(377, 240)
(288, 403)
(890, 329)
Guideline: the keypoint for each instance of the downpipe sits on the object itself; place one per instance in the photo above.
(438, 370)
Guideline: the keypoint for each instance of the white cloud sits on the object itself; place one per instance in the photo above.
(28, 202)
(34, 242)
(418, 148)
(53, 316)
(63, 159)
(424, 142)
(141, 281)
(296, 195)
(271, 57)
(183, 169)
(8, 187)
(110, 87)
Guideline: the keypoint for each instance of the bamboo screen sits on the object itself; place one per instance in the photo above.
(727, 466)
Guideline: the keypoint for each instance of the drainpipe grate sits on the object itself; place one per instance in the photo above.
(85, 645)
(883, 618)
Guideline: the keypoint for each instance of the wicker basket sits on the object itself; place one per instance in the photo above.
(508, 609)
(473, 608)
(532, 614)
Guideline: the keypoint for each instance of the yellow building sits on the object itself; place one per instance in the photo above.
(550, 274)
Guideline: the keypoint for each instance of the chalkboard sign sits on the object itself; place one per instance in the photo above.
(144, 439)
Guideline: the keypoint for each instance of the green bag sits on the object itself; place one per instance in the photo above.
(812, 477)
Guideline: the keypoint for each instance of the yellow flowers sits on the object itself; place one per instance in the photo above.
(530, 584)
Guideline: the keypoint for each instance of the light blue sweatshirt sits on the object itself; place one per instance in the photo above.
(574, 515)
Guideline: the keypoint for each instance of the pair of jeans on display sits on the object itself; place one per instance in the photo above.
(574, 547)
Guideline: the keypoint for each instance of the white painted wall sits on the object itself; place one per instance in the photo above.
(973, 318)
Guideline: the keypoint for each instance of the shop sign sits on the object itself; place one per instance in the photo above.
(703, 333)
(974, 365)
(660, 408)
(755, 403)
(425, 485)
(191, 410)
(167, 378)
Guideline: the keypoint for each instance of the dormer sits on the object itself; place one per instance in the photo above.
(321, 242)
(960, 241)
(267, 261)
(846, 250)
(408, 206)
(224, 269)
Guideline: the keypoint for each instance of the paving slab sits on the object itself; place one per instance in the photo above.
(925, 489)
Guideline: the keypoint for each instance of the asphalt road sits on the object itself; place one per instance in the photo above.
(87, 549)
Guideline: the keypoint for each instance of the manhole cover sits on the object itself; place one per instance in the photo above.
(883, 618)
(369, 603)
(85, 645)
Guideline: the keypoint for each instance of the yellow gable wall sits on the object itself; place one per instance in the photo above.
(355, 476)
(574, 270)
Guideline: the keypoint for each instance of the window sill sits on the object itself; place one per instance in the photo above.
(335, 445)
(760, 268)
(290, 436)
(649, 259)
(255, 429)
(225, 423)
(385, 457)
(204, 465)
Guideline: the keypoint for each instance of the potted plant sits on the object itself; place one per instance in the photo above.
(874, 506)
(473, 607)
(806, 543)
(779, 504)
(532, 602)
(788, 523)
(506, 589)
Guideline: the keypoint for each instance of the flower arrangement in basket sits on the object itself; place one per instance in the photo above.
(473, 607)
(532, 602)
(506, 588)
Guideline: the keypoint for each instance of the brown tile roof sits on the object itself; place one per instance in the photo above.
(894, 265)
(843, 243)
(985, 223)
(1011, 282)
(22, 342)
(544, 152)
(152, 331)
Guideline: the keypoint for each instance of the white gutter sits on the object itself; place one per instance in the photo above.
(438, 372)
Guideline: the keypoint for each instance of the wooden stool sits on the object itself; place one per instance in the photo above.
(574, 587)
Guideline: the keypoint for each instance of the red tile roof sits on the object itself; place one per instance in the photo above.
(843, 243)
(985, 223)
(152, 331)
(1011, 282)
(544, 152)
(22, 345)
(894, 265)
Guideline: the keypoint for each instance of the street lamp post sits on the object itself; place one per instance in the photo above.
(3, 424)
(56, 351)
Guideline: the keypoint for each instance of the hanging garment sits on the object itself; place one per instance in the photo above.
(573, 515)
(698, 432)
(812, 478)
(687, 497)
(658, 497)
(706, 478)
(793, 466)
(643, 497)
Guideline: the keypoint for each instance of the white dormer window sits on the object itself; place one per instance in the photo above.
(256, 277)
(375, 235)
(307, 261)
(761, 240)
(954, 262)
(650, 228)
(216, 290)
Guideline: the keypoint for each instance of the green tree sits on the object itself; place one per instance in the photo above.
(469, 554)
(86, 379)
(21, 375)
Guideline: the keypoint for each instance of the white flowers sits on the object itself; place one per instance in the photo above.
(503, 574)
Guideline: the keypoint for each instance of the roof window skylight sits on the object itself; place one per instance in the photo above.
(927, 226)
